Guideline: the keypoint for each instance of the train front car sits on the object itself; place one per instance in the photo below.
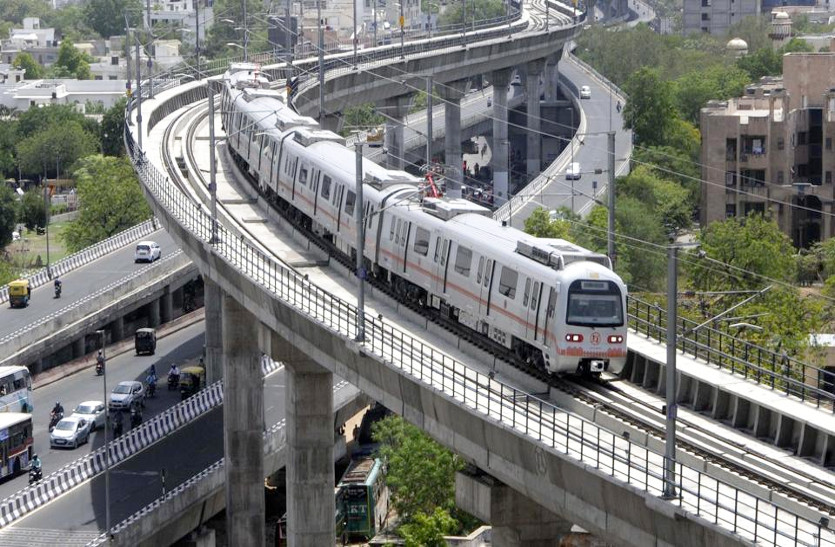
(591, 329)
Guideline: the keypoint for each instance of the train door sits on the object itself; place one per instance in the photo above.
(314, 187)
(530, 305)
(548, 316)
(484, 279)
(440, 259)
(340, 189)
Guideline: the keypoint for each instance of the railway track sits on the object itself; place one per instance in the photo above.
(639, 411)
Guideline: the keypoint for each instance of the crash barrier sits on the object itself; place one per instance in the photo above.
(85, 256)
(31, 497)
(119, 283)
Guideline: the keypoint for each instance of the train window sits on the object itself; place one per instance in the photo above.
(534, 295)
(397, 231)
(303, 177)
(437, 248)
(422, 241)
(480, 269)
(444, 252)
(349, 203)
(527, 292)
(463, 261)
(391, 231)
(507, 282)
(404, 233)
(487, 269)
(326, 187)
(552, 303)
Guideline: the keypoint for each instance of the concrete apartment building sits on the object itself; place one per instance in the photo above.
(771, 150)
(716, 16)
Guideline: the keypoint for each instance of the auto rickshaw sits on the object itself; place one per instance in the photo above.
(19, 293)
(145, 341)
(191, 380)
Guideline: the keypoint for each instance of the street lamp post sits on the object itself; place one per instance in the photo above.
(359, 219)
(212, 165)
(402, 30)
(107, 430)
(672, 321)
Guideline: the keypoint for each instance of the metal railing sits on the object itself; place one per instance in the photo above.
(767, 367)
(713, 500)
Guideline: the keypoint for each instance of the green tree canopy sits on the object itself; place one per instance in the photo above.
(667, 199)
(223, 31)
(33, 209)
(36, 120)
(539, 224)
(650, 110)
(106, 17)
(71, 62)
(671, 164)
(110, 200)
(15, 10)
(479, 10)
(113, 128)
(24, 60)
(8, 141)
(8, 214)
(55, 149)
(694, 89)
(745, 248)
(429, 530)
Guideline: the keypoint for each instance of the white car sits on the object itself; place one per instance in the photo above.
(573, 172)
(70, 432)
(91, 411)
(585, 92)
(126, 394)
(147, 251)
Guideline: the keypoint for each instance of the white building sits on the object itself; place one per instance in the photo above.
(184, 14)
(38, 42)
(716, 16)
(23, 95)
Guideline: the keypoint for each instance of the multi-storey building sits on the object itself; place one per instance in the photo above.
(716, 16)
(771, 150)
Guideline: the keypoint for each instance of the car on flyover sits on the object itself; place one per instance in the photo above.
(147, 251)
(70, 432)
(91, 411)
(585, 92)
(126, 395)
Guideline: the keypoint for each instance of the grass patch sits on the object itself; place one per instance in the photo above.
(29, 253)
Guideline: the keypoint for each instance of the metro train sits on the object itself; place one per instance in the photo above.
(554, 304)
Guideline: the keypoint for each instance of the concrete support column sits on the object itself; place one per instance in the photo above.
(534, 162)
(243, 425)
(214, 331)
(333, 122)
(166, 311)
(501, 178)
(310, 440)
(153, 313)
(79, 347)
(516, 520)
(551, 76)
(451, 94)
(396, 108)
(117, 329)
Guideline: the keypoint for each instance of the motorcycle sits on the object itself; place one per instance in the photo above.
(54, 418)
(35, 474)
(173, 381)
(135, 418)
(57, 291)
(152, 389)
(99, 368)
(117, 429)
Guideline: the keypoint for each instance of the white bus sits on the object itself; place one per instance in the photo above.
(15, 389)
(15, 442)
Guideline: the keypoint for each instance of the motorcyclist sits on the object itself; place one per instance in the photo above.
(117, 423)
(151, 380)
(173, 375)
(36, 462)
(58, 410)
(135, 416)
(100, 361)
(58, 283)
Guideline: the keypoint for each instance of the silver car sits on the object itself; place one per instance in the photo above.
(70, 433)
(127, 394)
(91, 411)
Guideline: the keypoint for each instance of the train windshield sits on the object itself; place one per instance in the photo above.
(594, 304)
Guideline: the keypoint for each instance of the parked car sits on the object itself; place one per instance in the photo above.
(70, 432)
(147, 251)
(126, 394)
(91, 411)
(573, 171)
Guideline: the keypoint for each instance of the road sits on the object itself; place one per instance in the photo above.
(184, 345)
(78, 284)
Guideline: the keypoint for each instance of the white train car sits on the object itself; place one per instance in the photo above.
(551, 302)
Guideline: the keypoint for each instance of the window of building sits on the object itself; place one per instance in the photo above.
(463, 261)
(754, 207)
(705, 17)
(780, 143)
(99, 78)
(730, 149)
(507, 282)
(730, 210)
(828, 177)
(801, 138)
(780, 177)
(706, 3)
(829, 143)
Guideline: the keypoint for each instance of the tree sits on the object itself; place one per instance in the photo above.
(36, 120)
(420, 472)
(741, 252)
(480, 10)
(8, 140)
(666, 199)
(539, 224)
(56, 148)
(428, 530)
(33, 209)
(223, 32)
(110, 200)
(113, 128)
(106, 17)
(762, 62)
(694, 89)
(15, 10)
(671, 164)
(361, 117)
(24, 60)
(650, 110)
(8, 214)
(71, 62)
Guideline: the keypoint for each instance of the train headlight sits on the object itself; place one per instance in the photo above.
(573, 337)
(616, 339)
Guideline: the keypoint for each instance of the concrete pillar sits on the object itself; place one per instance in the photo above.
(534, 162)
(516, 520)
(451, 94)
(550, 77)
(310, 440)
(501, 179)
(153, 313)
(333, 122)
(79, 347)
(396, 108)
(243, 425)
(117, 329)
(166, 311)
(214, 331)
